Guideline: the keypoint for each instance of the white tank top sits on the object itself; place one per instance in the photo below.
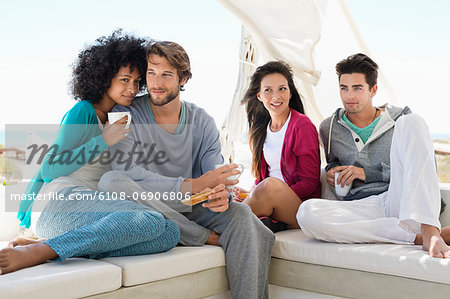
(272, 149)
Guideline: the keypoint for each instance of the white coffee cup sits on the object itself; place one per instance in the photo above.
(341, 191)
(115, 116)
(232, 177)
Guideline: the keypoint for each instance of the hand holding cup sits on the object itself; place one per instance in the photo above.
(233, 175)
(341, 191)
(117, 117)
(117, 127)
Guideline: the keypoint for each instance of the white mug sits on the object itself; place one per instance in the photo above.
(341, 191)
(232, 177)
(115, 116)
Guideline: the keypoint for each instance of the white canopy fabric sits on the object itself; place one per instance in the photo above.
(235, 125)
(311, 36)
(278, 33)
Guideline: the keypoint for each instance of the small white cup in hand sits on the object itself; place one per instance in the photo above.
(341, 191)
(232, 177)
(115, 116)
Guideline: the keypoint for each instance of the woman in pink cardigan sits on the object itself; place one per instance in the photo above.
(285, 148)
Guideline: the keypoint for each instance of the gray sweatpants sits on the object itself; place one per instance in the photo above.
(246, 241)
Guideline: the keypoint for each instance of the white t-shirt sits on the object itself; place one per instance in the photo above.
(272, 149)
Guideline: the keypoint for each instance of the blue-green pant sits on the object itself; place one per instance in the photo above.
(98, 228)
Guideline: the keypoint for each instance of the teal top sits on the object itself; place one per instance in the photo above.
(78, 135)
(363, 133)
(181, 122)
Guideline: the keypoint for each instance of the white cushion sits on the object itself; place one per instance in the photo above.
(445, 193)
(400, 260)
(178, 261)
(74, 278)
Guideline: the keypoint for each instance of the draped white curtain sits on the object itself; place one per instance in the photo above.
(311, 36)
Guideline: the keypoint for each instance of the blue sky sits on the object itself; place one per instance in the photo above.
(40, 39)
(410, 41)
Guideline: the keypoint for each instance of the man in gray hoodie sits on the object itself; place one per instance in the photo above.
(172, 150)
(386, 154)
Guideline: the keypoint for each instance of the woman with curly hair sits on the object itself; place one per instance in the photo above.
(285, 148)
(83, 222)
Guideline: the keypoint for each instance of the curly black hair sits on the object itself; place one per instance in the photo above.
(98, 64)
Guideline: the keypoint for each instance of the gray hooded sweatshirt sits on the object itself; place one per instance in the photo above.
(347, 148)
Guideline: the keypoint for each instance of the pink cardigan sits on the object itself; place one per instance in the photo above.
(300, 157)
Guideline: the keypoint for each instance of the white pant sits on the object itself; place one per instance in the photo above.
(394, 216)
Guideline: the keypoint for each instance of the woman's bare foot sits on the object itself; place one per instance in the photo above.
(19, 257)
(433, 242)
(19, 241)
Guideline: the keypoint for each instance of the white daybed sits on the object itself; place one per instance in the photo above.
(299, 266)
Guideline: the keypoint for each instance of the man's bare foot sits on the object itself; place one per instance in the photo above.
(19, 241)
(19, 257)
(445, 234)
(433, 242)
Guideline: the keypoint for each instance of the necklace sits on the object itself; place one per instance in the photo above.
(376, 112)
(374, 117)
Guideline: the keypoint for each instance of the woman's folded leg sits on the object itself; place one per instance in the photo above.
(97, 226)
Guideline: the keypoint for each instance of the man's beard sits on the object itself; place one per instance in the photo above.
(167, 99)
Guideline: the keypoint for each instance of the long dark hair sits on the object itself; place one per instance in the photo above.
(258, 116)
